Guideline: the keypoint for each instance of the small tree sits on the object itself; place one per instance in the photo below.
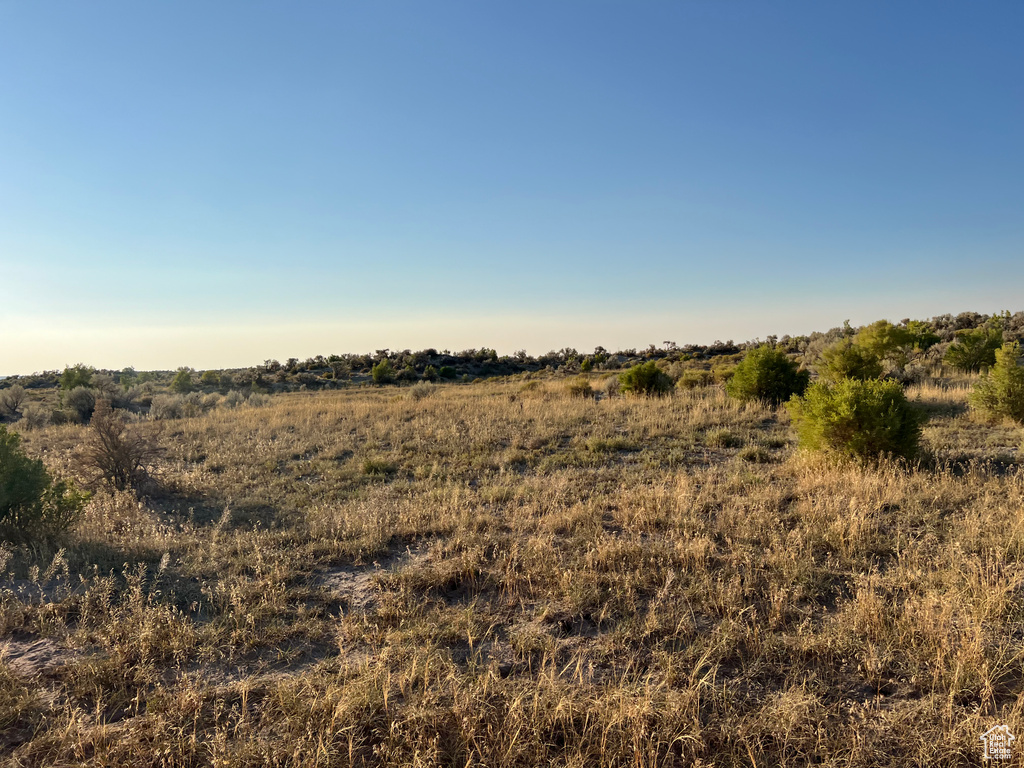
(115, 454)
(33, 506)
(383, 372)
(1001, 391)
(768, 375)
(210, 379)
(864, 420)
(974, 350)
(430, 373)
(922, 335)
(127, 378)
(11, 400)
(78, 375)
(646, 380)
(848, 360)
(182, 383)
(447, 373)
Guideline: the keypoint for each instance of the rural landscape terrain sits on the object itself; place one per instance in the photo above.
(798, 551)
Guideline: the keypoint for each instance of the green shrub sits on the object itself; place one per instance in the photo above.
(974, 350)
(127, 378)
(847, 360)
(1001, 391)
(864, 420)
(447, 372)
(922, 336)
(885, 341)
(383, 372)
(723, 374)
(767, 375)
(209, 379)
(81, 402)
(79, 375)
(182, 383)
(33, 506)
(646, 380)
(430, 373)
(695, 378)
(579, 387)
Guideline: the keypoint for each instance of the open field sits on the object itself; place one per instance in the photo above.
(499, 574)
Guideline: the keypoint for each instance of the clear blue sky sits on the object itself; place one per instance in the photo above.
(213, 184)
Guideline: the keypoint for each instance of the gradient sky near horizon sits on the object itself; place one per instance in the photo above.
(215, 184)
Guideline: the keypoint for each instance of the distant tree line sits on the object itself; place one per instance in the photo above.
(967, 341)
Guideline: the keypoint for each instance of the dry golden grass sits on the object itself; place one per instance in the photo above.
(504, 575)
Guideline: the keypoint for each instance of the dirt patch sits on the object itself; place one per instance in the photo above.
(36, 657)
(356, 584)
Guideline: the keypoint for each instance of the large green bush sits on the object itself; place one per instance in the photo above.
(860, 419)
(78, 375)
(383, 372)
(645, 379)
(848, 360)
(1001, 391)
(182, 383)
(922, 335)
(768, 375)
(33, 506)
(885, 341)
(974, 350)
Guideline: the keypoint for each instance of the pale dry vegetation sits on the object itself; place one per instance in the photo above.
(508, 575)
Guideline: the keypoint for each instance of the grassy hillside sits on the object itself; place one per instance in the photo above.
(505, 575)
